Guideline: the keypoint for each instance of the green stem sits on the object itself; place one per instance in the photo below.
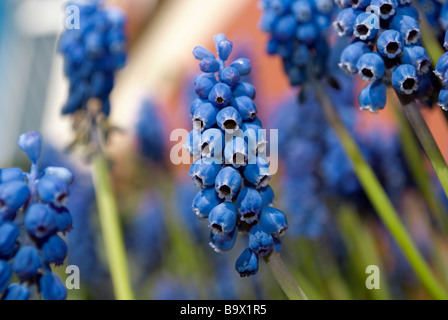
(377, 195)
(110, 226)
(362, 249)
(429, 144)
(416, 164)
(283, 277)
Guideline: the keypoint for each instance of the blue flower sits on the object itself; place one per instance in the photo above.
(40, 220)
(267, 195)
(204, 171)
(389, 44)
(244, 89)
(222, 218)
(257, 173)
(203, 85)
(31, 144)
(54, 250)
(13, 195)
(229, 164)
(223, 46)
(418, 57)
(249, 204)
(223, 241)
(229, 119)
(273, 221)
(297, 33)
(260, 241)
(92, 55)
(246, 107)
(442, 66)
(204, 202)
(212, 141)
(236, 152)
(230, 76)
(204, 117)
(150, 137)
(386, 8)
(365, 27)
(9, 233)
(27, 262)
(408, 28)
(351, 55)
(345, 22)
(242, 65)
(220, 95)
(31, 215)
(370, 67)
(405, 79)
(373, 97)
(247, 263)
(228, 183)
(53, 190)
(16, 292)
(443, 99)
(52, 287)
(5, 275)
(11, 174)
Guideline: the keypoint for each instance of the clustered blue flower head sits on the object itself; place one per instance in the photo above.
(297, 34)
(32, 218)
(92, 54)
(230, 164)
(149, 132)
(386, 50)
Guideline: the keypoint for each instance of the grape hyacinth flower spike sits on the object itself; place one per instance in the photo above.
(230, 166)
(93, 53)
(92, 56)
(364, 21)
(33, 219)
(385, 51)
(394, 57)
(297, 30)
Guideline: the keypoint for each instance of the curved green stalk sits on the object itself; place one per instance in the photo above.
(414, 159)
(429, 144)
(378, 196)
(284, 278)
(363, 252)
(110, 226)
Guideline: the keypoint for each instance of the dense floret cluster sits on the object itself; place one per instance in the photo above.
(297, 34)
(230, 164)
(386, 50)
(93, 51)
(33, 217)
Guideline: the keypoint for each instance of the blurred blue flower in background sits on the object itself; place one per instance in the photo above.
(317, 171)
(146, 236)
(149, 132)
